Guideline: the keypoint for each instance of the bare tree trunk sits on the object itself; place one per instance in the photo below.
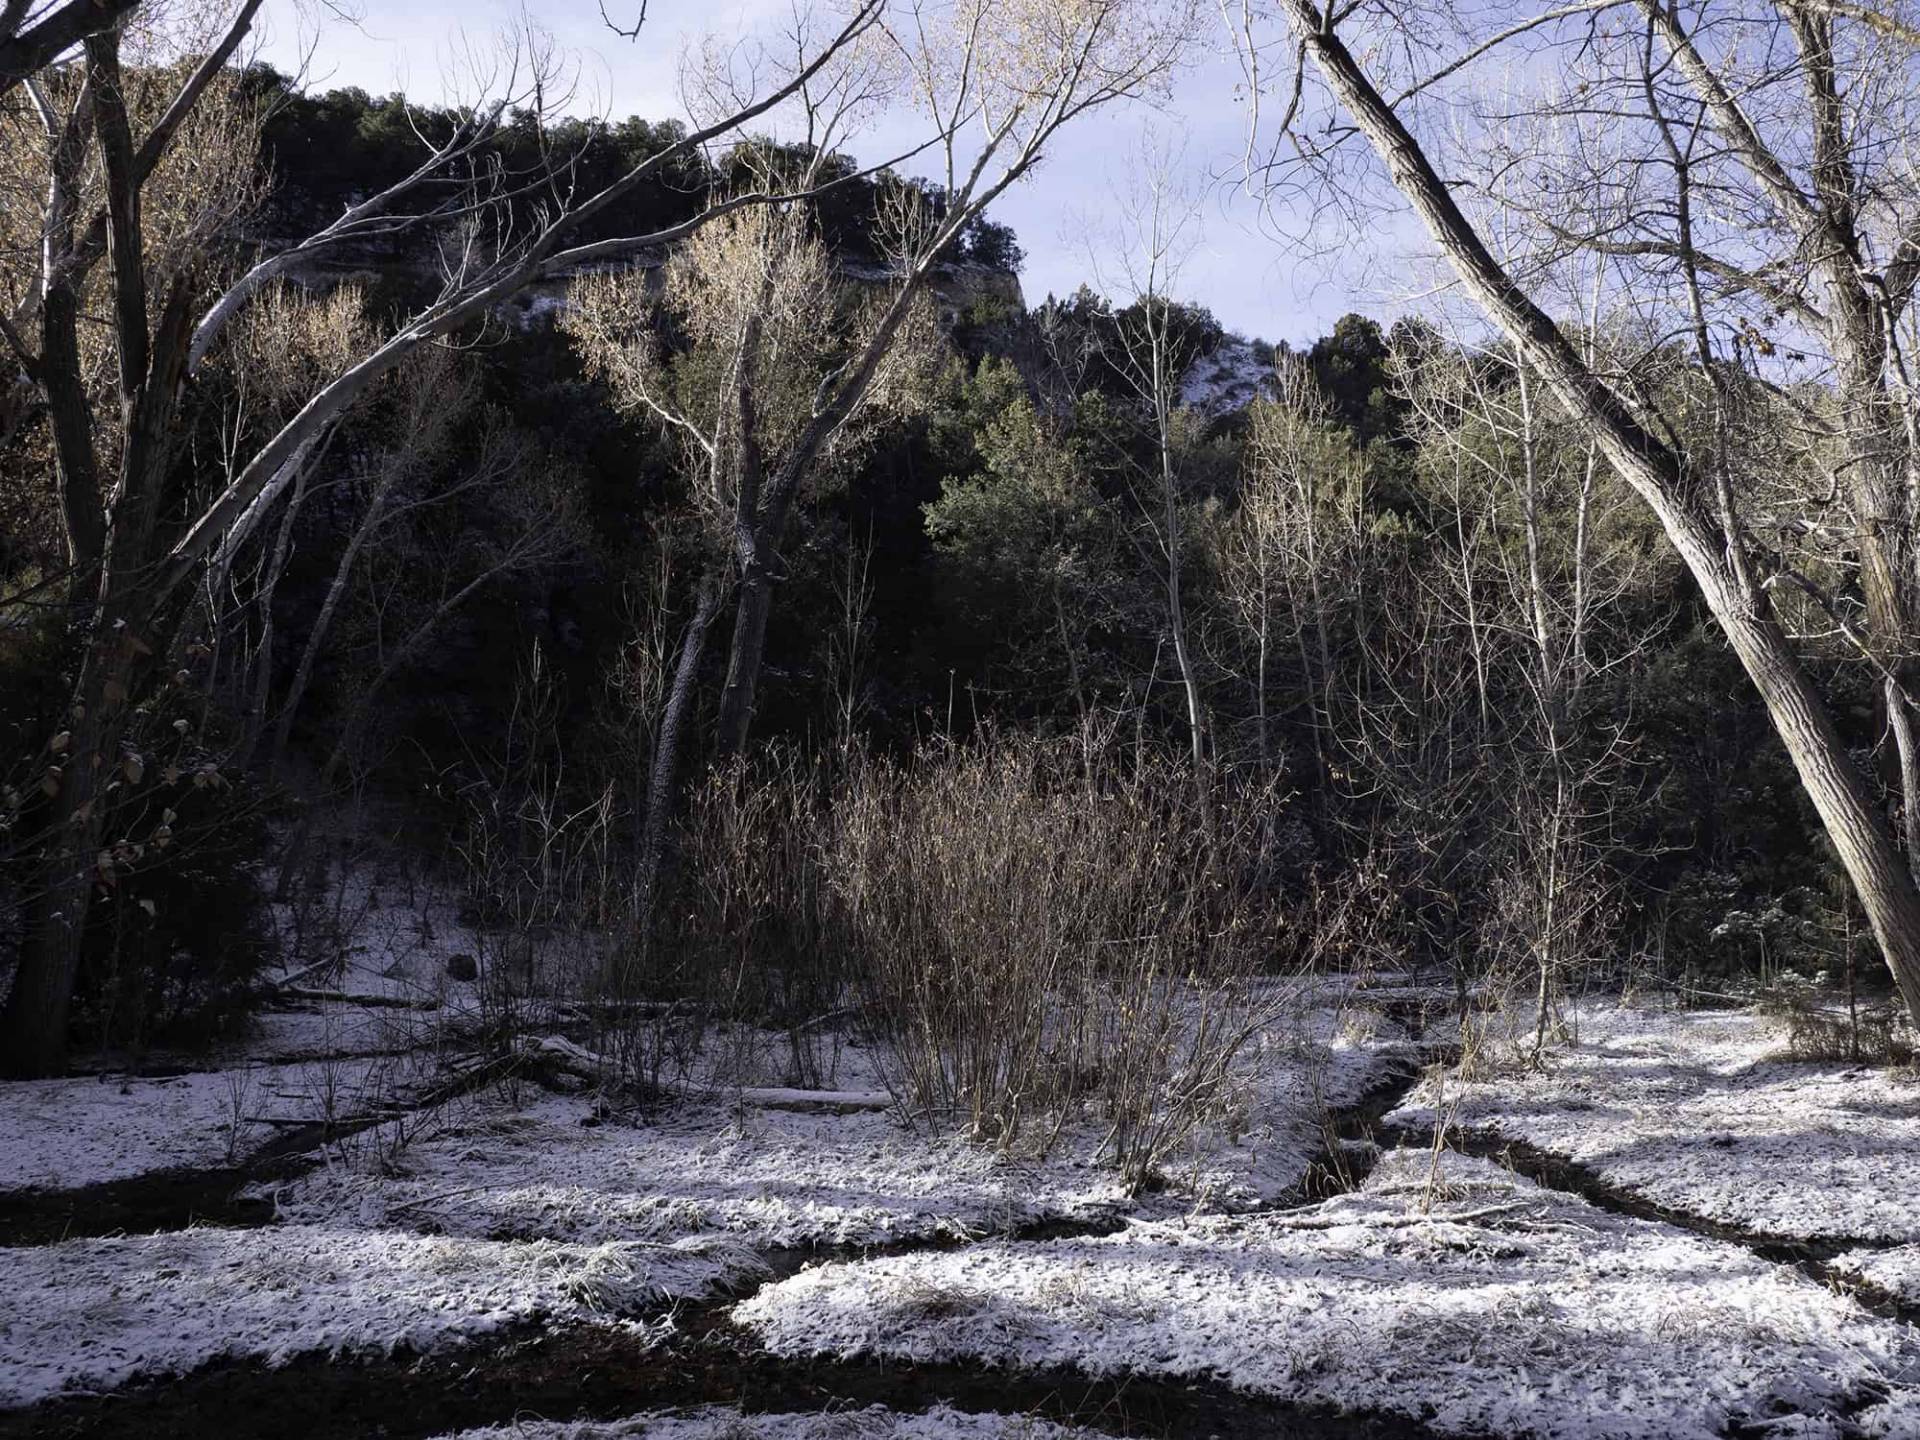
(745, 656)
(256, 718)
(148, 364)
(1839, 791)
(1073, 660)
(663, 773)
(363, 710)
(33, 1024)
(1469, 592)
(1176, 606)
(323, 622)
(1260, 686)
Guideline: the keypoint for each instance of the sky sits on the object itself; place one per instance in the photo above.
(1254, 283)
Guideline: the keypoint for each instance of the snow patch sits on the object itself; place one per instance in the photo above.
(551, 1167)
(1696, 1110)
(63, 1134)
(1468, 1296)
(89, 1315)
(773, 1177)
(1225, 380)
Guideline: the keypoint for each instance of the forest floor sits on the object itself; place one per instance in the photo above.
(348, 1227)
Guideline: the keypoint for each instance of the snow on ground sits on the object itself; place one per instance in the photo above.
(320, 1029)
(1894, 1269)
(719, 1422)
(1507, 1309)
(1307, 1064)
(545, 1165)
(1895, 1418)
(303, 1058)
(64, 1134)
(776, 1177)
(387, 935)
(1697, 1110)
(92, 1314)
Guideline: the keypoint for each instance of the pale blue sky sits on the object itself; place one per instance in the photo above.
(1251, 282)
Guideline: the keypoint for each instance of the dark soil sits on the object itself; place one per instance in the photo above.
(146, 1204)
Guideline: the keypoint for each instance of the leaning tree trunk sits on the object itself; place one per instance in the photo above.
(323, 622)
(1840, 792)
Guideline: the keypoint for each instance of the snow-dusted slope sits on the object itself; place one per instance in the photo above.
(1227, 380)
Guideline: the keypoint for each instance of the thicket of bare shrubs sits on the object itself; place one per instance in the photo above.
(1032, 942)
(1027, 941)
(1038, 941)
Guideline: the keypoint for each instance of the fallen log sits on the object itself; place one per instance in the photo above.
(564, 1055)
(341, 997)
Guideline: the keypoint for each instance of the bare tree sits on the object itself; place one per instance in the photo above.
(1531, 592)
(1843, 204)
(30, 42)
(1295, 530)
(1159, 230)
(144, 169)
(996, 81)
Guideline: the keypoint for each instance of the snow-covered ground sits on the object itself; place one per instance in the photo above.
(1701, 1112)
(717, 1422)
(64, 1134)
(775, 1177)
(1445, 1290)
(548, 1166)
(305, 1058)
(361, 929)
(1484, 1303)
(92, 1314)
(1894, 1269)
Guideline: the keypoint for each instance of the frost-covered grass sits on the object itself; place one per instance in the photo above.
(775, 1178)
(783, 1178)
(717, 1422)
(64, 1134)
(93, 1314)
(1507, 1309)
(543, 1207)
(1297, 1073)
(1697, 1110)
(1894, 1269)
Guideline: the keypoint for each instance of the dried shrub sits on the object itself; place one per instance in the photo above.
(1852, 1032)
(1037, 941)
